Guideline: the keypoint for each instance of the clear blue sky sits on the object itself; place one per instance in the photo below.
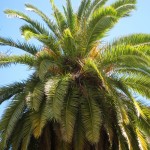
(139, 22)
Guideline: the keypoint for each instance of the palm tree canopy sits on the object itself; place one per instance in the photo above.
(80, 95)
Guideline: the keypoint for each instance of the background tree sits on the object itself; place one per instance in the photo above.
(80, 95)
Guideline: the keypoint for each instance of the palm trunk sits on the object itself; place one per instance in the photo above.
(45, 141)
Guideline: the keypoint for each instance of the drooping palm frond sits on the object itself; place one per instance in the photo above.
(10, 118)
(56, 89)
(69, 112)
(91, 117)
(81, 94)
(27, 131)
(7, 92)
(79, 137)
(34, 98)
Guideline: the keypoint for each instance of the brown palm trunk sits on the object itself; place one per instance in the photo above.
(45, 140)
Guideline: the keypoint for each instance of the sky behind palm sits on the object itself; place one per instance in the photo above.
(139, 22)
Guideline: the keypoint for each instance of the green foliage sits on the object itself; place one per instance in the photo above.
(7, 92)
(91, 117)
(11, 117)
(69, 112)
(102, 20)
(56, 90)
(81, 94)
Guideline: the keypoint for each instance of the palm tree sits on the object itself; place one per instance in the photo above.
(81, 94)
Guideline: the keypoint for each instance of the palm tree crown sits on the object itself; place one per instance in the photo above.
(80, 95)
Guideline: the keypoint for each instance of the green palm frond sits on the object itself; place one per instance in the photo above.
(29, 48)
(124, 7)
(46, 19)
(35, 98)
(23, 59)
(95, 5)
(50, 41)
(56, 90)
(133, 39)
(71, 18)
(82, 8)
(59, 17)
(123, 87)
(100, 22)
(69, 112)
(20, 15)
(39, 120)
(68, 43)
(119, 56)
(132, 137)
(28, 31)
(6, 92)
(142, 139)
(79, 137)
(82, 94)
(144, 125)
(140, 84)
(17, 134)
(27, 131)
(91, 117)
(11, 117)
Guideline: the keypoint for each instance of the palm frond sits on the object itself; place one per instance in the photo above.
(28, 31)
(39, 120)
(138, 83)
(100, 22)
(20, 15)
(29, 48)
(71, 18)
(91, 117)
(35, 98)
(133, 39)
(132, 137)
(56, 90)
(69, 112)
(79, 137)
(82, 8)
(23, 59)
(142, 139)
(59, 17)
(119, 56)
(6, 92)
(123, 87)
(46, 19)
(11, 117)
(124, 7)
(68, 43)
(27, 131)
(95, 5)
(17, 134)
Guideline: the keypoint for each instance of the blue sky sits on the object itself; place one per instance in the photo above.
(139, 22)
